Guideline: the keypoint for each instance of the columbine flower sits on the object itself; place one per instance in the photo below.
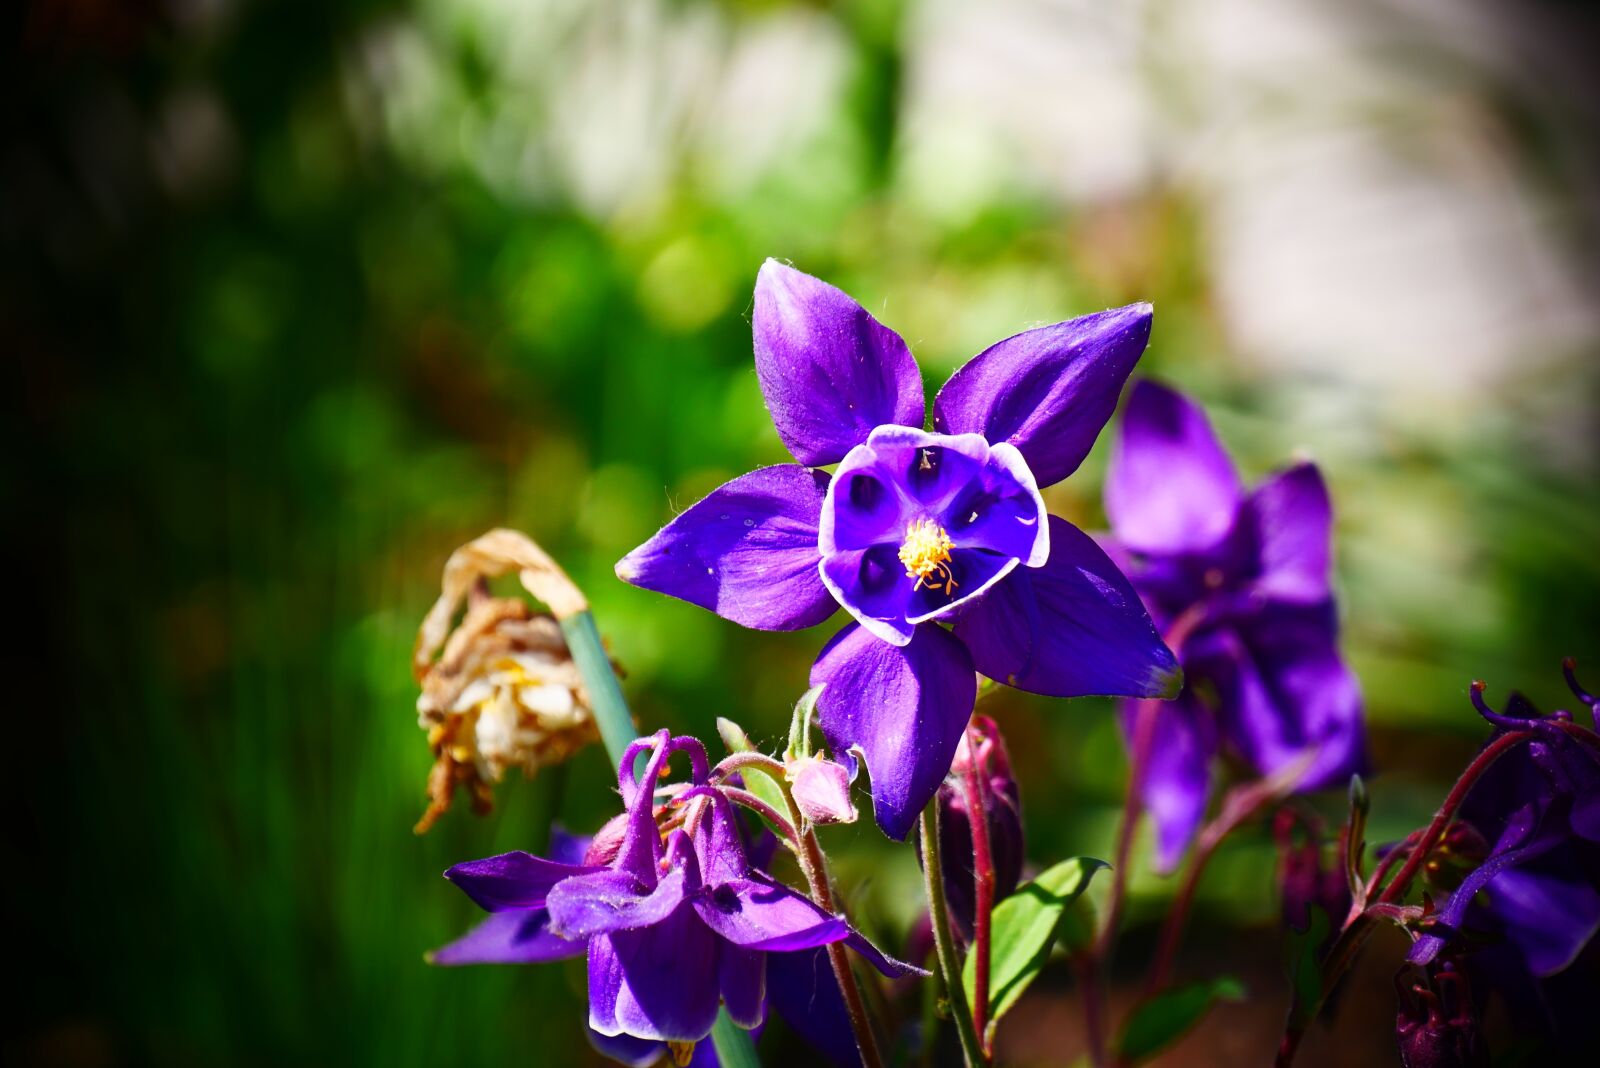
(1242, 582)
(915, 529)
(1538, 886)
(505, 692)
(1002, 805)
(677, 922)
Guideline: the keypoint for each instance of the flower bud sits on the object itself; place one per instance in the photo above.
(982, 751)
(1304, 877)
(821, 789)
(1435, 1025)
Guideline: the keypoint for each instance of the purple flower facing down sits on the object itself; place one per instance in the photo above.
(1242, 582)
(916, 529)
(673, 925)
(1537, 888)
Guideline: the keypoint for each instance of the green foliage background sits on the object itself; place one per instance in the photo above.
(257, 408)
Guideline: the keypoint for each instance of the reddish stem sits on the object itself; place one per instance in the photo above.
(1441, 819)
(983, 879)
(1144, 727)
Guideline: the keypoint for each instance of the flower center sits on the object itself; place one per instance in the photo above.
(926, 555)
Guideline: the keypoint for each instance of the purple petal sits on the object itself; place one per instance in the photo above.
(640, 849)
(511, 880)
(830, 372)
(806, 994)
(1071, 628)
(906, 707)
(758, 914)
(886, 965)
(1285, 689)
(1293, 520)
(1550, 908)
(625, 1049)
(566, 847)
(748, 551)
(719, 846)
(656, 982)
(520, 936)
(742, 978)
(608, 901)
(1178, 776)
(873, 587)
(1170, 487)
(1047, 391)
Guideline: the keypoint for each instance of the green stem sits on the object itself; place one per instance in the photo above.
(943, 940)
(605, 692)
(734, 1048)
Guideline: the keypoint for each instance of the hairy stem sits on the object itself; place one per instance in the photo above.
(814, 865)
(943, 941)
(1441, 819)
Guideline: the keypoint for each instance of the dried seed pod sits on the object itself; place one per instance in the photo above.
(504, 692)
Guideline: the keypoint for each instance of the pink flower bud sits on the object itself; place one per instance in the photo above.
(821, 789)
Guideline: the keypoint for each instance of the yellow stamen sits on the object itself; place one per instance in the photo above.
(682, 1052)
(926, 554)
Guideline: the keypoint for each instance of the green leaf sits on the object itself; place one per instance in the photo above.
(1025, 926)
(1163, 1019)
(756, 781)
(1305, 971)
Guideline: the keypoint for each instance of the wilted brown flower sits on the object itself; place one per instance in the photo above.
(504, 693)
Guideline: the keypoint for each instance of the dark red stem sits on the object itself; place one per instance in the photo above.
(983, 880)
(1441, 819)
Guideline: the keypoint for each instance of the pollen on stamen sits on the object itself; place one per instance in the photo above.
(926, 556)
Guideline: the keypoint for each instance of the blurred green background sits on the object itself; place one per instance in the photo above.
(296, 297)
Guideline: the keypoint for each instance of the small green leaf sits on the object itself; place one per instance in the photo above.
(756, 781)
(1163, 1019)
(1025, 926)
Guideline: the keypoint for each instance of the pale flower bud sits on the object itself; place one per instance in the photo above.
(821, 789)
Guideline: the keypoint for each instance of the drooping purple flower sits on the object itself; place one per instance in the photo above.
(1002, 806)
(1537, 807)
(672, 928)
(1242, 580)
(918, 528)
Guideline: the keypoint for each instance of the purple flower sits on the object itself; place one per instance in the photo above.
(1241, 582)
(673, 925)
(1002, 805)
(917, 528)
(1538, 809)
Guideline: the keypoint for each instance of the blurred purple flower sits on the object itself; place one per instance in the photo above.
(917, 527)
(1002, 805)
(1245, 576)
(672, 929)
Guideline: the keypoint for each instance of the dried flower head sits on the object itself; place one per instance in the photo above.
(504, 693)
